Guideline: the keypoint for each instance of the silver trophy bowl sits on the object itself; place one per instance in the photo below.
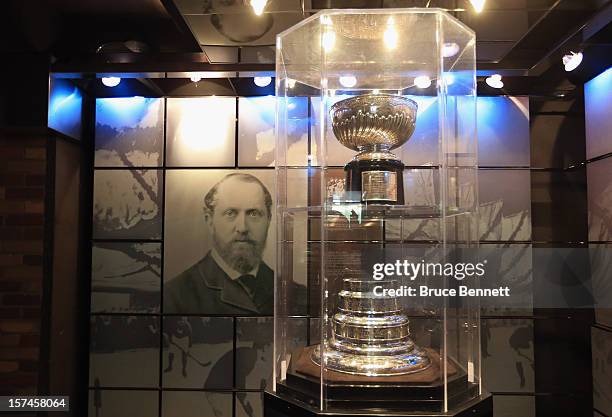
(374, 124)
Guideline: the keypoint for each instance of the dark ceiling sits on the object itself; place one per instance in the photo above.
(511, 34)
(520, 38)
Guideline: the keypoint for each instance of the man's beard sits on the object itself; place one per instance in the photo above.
(241, 253)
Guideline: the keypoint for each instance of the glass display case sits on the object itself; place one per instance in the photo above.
(384, 206)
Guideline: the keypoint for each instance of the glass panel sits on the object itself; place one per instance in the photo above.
(201, 132)
(127, 204)
(129, 132)
(392, 178)
(112, 403)
(196, 404)
(197, 352)
(124, 351)
(126, 277)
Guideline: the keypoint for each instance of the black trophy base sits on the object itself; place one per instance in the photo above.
(418, 394)
(377, 181)
(283, 406)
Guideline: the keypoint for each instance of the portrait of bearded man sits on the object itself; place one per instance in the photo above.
(232, 277)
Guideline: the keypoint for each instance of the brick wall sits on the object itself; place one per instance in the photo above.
(22, 204)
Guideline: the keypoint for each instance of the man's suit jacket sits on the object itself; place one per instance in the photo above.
(205, 288)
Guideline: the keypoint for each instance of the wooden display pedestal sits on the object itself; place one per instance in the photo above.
(418, 394)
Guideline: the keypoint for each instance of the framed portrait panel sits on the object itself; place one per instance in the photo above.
(219, 233)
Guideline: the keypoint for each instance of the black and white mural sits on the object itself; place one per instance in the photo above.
(183, 254)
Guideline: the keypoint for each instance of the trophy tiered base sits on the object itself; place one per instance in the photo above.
(371, 364)
(371, 336)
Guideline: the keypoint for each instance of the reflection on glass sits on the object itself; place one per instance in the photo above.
(256, 138)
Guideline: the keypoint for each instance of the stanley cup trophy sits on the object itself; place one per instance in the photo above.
(370, 335)
(374, 125)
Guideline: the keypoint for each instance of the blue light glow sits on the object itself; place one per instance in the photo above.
(597, 106)
(122, 111)
(503, 131)
(600, 84)
(65, 108)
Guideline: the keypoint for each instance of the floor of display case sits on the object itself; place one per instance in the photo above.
(422, 391)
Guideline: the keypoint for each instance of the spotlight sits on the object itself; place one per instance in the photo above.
(450, 49)
(422, 81)
(495, 81)
(111, 81)
(572, 60)
(478, 5)
(258, 6)
(262, 81)
(348, 81)
(195, 77)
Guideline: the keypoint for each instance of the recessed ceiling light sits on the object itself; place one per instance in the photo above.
(495, 81)
(262, 81)
(195, 77)
(111, 81)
